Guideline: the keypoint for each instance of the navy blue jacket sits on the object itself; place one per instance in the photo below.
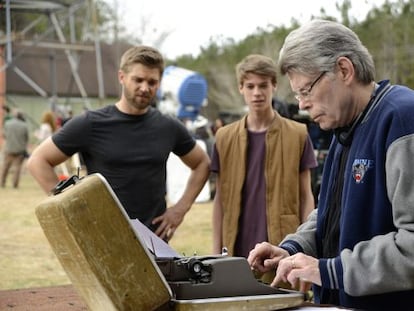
(374, 268)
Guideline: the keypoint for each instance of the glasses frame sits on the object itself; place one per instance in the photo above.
(304, 95)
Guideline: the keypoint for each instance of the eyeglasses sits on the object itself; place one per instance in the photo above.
(305, 94)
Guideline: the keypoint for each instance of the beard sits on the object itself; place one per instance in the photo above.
(139, 102)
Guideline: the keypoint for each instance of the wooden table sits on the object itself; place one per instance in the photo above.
(60, 298)
(57, 298)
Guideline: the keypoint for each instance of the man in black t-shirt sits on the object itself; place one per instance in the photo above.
(129, 143)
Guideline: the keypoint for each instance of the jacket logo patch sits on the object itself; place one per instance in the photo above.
(359, 168)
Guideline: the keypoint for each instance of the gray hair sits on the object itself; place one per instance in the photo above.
(316, 46)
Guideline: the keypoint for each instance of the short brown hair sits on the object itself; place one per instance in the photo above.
(256, 64)
(145, 55)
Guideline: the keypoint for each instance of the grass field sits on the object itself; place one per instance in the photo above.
(26, 259)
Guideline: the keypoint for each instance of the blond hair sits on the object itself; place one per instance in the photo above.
(256, 64)
(144, 55)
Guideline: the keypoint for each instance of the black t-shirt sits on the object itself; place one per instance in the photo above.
(130, 152)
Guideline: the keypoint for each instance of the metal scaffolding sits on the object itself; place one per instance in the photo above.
(60, 34)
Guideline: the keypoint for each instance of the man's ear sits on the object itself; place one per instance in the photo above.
(241, 88)
(121, 76)
(346, 69)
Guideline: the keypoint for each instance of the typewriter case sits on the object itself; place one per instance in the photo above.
(113, 265)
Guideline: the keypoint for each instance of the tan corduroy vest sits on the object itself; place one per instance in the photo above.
(285, 140)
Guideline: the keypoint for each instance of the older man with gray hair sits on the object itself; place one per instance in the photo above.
(357, 247)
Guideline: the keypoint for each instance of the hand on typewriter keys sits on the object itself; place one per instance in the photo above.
(265, 257)
(299, 270)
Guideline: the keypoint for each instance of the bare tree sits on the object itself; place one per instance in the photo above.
(145, 32)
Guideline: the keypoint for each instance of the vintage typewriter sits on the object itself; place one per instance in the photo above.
(117, 263)
(199, 277)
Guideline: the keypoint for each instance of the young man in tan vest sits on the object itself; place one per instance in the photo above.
(263, 163)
